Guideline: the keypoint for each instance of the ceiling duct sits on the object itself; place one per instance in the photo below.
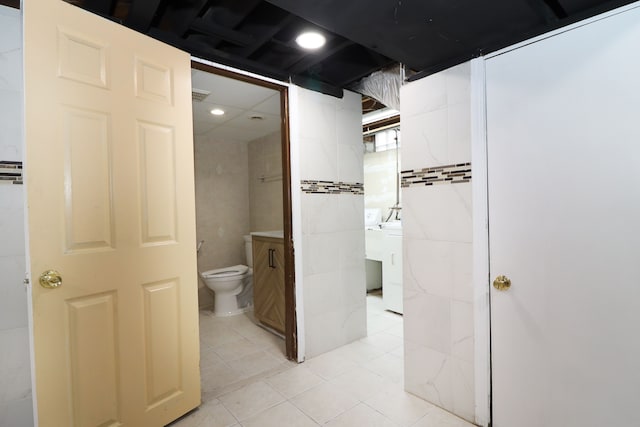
(199, 95)
(383, 85)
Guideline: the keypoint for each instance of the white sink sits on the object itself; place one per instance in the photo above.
(393, 225)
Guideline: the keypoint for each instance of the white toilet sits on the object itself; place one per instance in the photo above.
(232, 286)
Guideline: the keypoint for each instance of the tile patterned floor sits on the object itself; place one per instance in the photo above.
(247, 381)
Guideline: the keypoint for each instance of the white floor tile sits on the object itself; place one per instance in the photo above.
(361, 415)
(330, 365)
(218, 375)
(324, 402)
(251, 400)
(399, 406)
(266, 341)
(208, 356)
(376, 323)
(294, 381)
(384, 341)
(388, 366)
(397, 330)
(235, 349)
(359, 352)
(282, 415)
(208, 415)
(437, 417)
(360, 383)
(255, 363)
(217, 334)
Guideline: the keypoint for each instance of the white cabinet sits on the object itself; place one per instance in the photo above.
(373, 239)
(373, 248)
(392, 270)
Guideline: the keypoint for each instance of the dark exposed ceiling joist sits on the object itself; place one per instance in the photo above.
(267, 35)
(210, 53)
(229, 13)
(426, 36)
(440, 67)
(381, 60)
(224, 33)
(310, 60)
(557, 8)
(11, 3)
(178, 16)
(550, 11)
(101, 7)
(318, 86)
(141, 14)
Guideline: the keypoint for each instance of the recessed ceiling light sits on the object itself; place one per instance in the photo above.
(217, 112)
(311, 40)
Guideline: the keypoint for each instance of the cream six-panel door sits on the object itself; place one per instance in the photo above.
(109, 182)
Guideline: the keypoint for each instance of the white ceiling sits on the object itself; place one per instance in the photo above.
(241, 101)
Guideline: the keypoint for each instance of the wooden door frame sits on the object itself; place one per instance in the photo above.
(291, 333)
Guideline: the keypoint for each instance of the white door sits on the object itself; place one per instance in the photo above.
(109, 181)
(563, 121)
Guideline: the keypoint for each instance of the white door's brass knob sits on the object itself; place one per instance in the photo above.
(50, 279)
(502, 283)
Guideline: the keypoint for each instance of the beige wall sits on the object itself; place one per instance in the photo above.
(222, 205)
(265, 198)
(380, 180)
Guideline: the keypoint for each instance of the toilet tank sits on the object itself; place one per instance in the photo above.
(248, 249)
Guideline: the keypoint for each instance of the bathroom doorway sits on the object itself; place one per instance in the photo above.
(243, 197)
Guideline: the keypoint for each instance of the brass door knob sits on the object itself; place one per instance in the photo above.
(50, 279)
(502, 283)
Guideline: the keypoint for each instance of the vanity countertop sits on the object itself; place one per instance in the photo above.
(278, 234)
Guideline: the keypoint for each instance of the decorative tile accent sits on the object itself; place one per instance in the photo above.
(331, 187)
(10, 172)
(450, 174)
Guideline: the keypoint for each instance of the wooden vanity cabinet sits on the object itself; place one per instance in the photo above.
(268, 281)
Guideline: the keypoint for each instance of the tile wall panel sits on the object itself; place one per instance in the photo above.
(332, 203)
(437, 230)
(15, 387)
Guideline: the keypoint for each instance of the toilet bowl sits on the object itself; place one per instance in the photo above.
(232, 286)
(226, 283)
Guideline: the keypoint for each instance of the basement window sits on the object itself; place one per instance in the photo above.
(387, 140)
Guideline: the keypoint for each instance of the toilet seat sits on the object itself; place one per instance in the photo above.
(220, 273)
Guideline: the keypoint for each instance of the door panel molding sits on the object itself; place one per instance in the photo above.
(93, 361)
(163, 350)
(82, 59)
(156, 148)
(88, 180)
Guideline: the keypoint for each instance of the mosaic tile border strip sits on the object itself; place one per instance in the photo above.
(450, 174)
(10, 172)
(331, 187)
